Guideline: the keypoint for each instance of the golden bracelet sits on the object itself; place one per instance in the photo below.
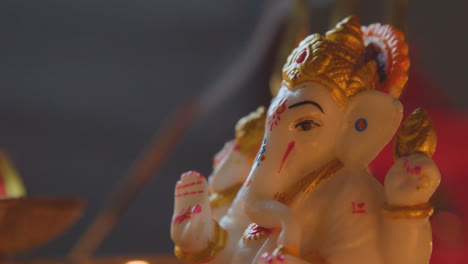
(409, 212)
(214, 247)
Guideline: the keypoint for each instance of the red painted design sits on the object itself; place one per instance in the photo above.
(281, 108)
(286, 154)
(188, 193)
(262, 158)
(276, 116)
(281, 258)
(188, 185)
(412, 170)
(236, 148)
(196, 209)
(267, 257)
(301, 58)
(358, 208)
(187, 214)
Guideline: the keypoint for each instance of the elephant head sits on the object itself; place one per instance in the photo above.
(334, 107)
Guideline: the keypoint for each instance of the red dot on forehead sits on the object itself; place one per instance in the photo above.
(361, 124)
(301, 57)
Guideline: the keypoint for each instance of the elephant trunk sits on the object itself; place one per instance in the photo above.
(260, 207)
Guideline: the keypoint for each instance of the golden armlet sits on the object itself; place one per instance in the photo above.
(214, 247)
(409, 212)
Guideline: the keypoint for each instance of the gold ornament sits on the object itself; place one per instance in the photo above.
(249, 132)
(255, 232)
(407, 212)
(224, 197)
(416, 134)
(310, 182)
(336, 61)
(346, 60)
(214, 247)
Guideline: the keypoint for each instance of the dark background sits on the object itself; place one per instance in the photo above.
(86, 83)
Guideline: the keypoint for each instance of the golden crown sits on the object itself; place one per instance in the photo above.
(249, 132)
(350, 59)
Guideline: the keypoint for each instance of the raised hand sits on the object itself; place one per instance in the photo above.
(412, 180)
(192, 225)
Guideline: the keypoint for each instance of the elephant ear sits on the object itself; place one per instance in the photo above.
(371, 118)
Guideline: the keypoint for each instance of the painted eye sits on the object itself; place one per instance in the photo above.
(305, 125)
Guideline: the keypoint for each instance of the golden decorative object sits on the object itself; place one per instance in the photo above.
(226, 196)
(333, 60)
(249, 132)
(407, 212)
(11, 184)
(32, 222)
(416, 134)
(214, 246)
(255, 232)
(309, 182)
(348, 60)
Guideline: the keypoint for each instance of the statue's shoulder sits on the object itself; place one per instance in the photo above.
(359, 189)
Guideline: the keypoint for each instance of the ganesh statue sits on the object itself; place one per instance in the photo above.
(294, 186)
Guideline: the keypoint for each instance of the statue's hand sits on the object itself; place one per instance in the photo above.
(192, 225)
(412, 180)
(272, 258)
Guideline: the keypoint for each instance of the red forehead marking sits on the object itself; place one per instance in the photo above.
(286, 154)
(276, 116)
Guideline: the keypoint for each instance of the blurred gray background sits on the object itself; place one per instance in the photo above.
(86, 83)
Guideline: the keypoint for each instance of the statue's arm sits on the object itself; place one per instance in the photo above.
(406, 229)
(196, 235)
